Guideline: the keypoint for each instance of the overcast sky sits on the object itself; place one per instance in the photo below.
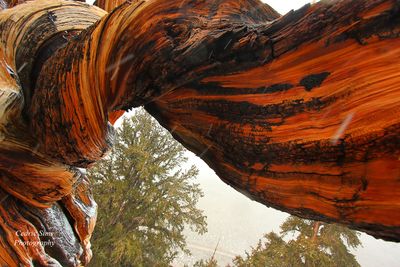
(283, 6)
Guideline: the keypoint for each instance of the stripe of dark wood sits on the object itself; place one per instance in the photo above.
(246, 112)
(214, 88)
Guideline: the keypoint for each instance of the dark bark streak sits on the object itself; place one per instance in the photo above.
(214, 88)
(314, 80)
(246, 112)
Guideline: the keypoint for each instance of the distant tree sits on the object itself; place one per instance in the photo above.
(206, 263)
(311, 244)
(145, 198)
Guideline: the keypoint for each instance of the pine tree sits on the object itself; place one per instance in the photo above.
(145, 198)
(304, 243)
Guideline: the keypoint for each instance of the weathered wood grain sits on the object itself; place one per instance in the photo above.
(38, 192)
(314, 130)
(300, 113)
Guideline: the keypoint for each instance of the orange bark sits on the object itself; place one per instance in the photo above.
(108, 5)
(37, 192)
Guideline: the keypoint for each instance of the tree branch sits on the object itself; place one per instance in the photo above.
(300, 113)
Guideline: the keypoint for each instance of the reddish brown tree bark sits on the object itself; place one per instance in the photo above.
(108, 5)
(299, 112)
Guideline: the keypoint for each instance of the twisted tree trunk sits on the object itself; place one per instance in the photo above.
(299, 112)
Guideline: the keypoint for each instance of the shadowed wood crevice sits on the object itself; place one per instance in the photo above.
(300, 112)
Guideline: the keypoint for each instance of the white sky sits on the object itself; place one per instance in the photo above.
(284, 6)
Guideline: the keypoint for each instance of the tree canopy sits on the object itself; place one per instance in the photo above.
(145, 197)
(304, 243)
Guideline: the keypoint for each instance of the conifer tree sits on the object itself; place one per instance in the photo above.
(304, 243)
(145, 197)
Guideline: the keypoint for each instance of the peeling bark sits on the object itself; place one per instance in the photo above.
(299, 112)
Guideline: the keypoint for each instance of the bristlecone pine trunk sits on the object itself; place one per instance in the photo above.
(299, 112)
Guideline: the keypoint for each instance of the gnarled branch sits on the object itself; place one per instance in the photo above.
(280, 110)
